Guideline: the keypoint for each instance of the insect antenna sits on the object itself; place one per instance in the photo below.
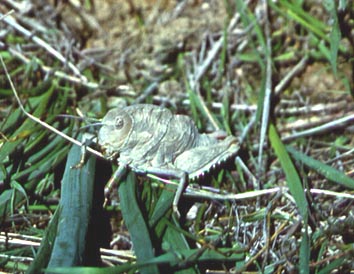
(91, 125)
(85, 119)
(91, 122)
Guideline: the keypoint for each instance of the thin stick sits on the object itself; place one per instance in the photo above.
(292, 73)
(268, 86)
(35, 119)
(11, 22)
(57, 73)
(200, 69)
(346, 120)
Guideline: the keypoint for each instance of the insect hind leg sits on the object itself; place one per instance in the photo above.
(183, 182)
(177, 174)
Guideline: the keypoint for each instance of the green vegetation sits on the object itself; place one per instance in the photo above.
(276, 74)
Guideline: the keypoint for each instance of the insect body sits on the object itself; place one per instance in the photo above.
(150, 139)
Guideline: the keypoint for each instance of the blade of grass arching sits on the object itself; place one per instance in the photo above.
(292, 177)
(295, 12)
(26, 128)
(297, 191)
(172, 239)
(56, 109)
(332, 266)
(124, 268)
(53, 143)
(135, 223)
(328, 172)
(316, 28)
(45, 249)
(41, 162)
(11, 120)
(55, 148)
(163, 204)
(309, 22)
(36, 138)
(47, 163)
(76, 203)
(46, 158)
(199, 255)
(18, 188)
(15, 116)
(220, 255)
(10, 199)
(323, 51)
(40, 88)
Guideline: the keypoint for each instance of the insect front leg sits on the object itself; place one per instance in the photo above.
(87, 140)
(113, 182)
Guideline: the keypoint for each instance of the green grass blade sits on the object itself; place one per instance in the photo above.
(171, 258)
(296, 13)
(328, 172)
(41, 166)
(304, 261)
(136, 224)
(18, 187)
(297, 191)
(292, 177)
(76, 203)
(26, 128)
(332, 267)
(335, 35)
(46, 247)
(10, 199)
(202, 255)
(173, 240)
(163, 204)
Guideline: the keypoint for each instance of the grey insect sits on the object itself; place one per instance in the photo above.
(150, 139)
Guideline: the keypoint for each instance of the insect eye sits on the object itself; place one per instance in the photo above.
(119, 123)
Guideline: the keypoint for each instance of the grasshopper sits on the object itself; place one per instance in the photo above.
(150, 139)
